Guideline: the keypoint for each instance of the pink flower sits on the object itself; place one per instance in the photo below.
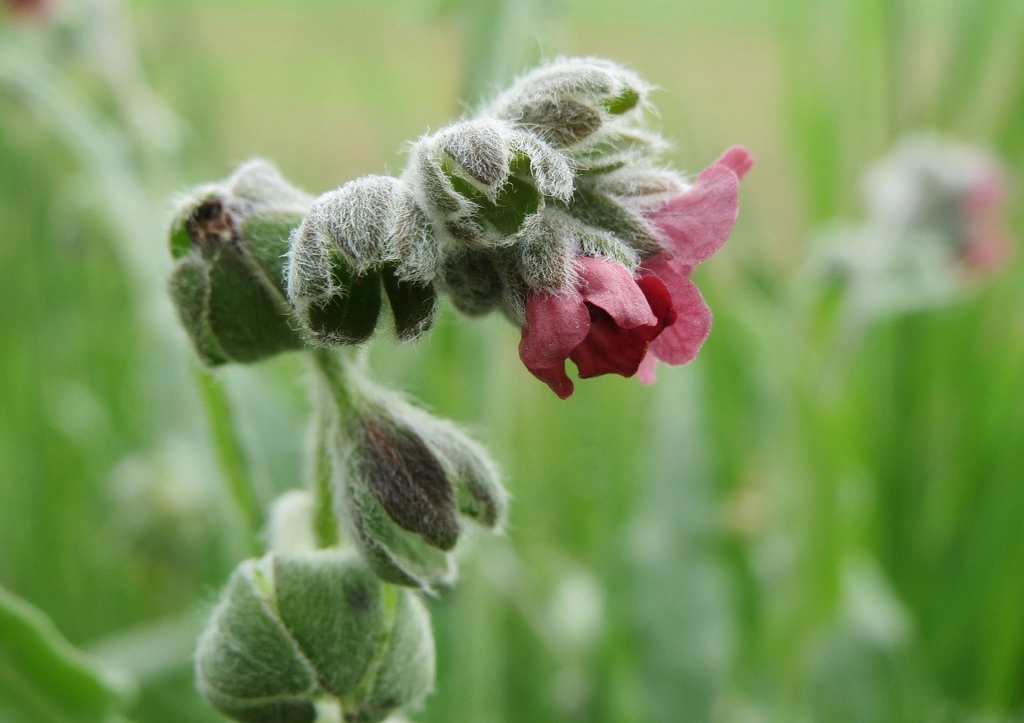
(695, 224)
(29, 9)
(615, 323)
(604, 327)
(987, 246)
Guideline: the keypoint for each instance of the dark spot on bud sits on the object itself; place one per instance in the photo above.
(358, 599)
(211, 225)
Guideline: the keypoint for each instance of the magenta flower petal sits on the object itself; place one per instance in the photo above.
(555, 325)
(610, 286)
(698, 221)
(608, 348)
(681, 341)
(612, 349)
(737, 159)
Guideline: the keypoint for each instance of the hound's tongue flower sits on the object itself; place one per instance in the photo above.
(613, 323)
(604, 327)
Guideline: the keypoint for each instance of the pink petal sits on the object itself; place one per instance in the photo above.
(610, 286)
(612, 349)
(680, 342)
(698, 221)
(555, 325)
(737, 159)
(645, 374)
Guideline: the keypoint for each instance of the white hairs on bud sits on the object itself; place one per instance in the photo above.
(545, 256)
(597, 243)
(481, 149)
(433, 190)
(259, 182)
(551, 170)
(589, 80)
(640, 187)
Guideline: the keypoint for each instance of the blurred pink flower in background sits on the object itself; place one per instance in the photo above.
(30, 9)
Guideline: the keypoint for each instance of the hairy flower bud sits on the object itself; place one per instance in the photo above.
(292, 629)
(366, 234)
(403, 480)
(571, 101)
(229, 241)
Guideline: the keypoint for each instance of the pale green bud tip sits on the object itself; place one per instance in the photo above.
(367, 233)
(229, 240)
(292, 629)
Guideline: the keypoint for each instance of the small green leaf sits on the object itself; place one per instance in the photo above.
(181, 241)
(602, 212)
(246, 662)
(407, 668)
(189, 289)
(42, 674)
(622, 103)
(267, 235)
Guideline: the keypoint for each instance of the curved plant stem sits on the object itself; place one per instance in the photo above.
(325, 525)
(232, 458)
(332, 400)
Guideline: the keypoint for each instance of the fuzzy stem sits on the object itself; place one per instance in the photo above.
(232, 457)
(333, 400)
(325, 524)
(332, 373)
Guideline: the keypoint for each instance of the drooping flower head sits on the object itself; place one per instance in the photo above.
(623, 322)
(552, 205)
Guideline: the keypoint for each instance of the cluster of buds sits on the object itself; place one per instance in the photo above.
(294, 633)
(935, 221)
(551, 205)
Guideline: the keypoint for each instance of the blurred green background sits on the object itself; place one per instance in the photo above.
(792, 528)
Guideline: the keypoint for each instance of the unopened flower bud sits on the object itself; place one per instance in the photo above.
(229, 241)
(292, 629)
(482, 180)
(473, 474)
(568, 101)
(353, 240)
(403, 479)
(480, 150)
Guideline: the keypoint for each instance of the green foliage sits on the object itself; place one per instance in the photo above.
(45, 677)
(809, 523)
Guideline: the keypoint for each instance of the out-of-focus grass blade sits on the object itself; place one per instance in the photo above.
(46, 677)
(973, 30)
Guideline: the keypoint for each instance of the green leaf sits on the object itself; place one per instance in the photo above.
(48, 678)
(626, 101)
